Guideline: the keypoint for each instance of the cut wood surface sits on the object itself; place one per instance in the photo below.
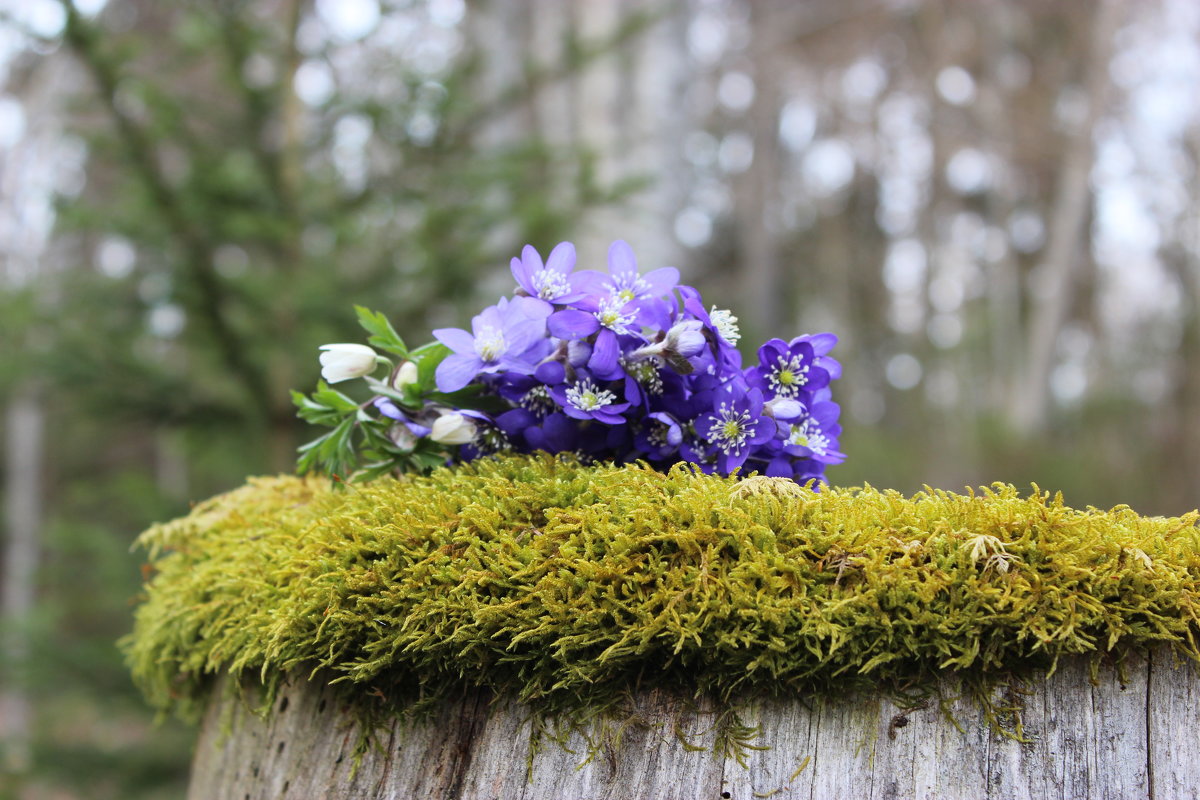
(1103, 742)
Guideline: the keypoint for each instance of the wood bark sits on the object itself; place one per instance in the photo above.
(1103, 742)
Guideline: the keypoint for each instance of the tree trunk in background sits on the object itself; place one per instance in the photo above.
(24, 422)
(1181, 431)
(1103, 742)
(626, 110)
(756, 191)
(1067, 241)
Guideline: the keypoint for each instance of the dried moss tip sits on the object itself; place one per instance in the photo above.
(567, 586)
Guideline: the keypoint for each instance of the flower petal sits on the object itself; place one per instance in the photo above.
(562, 258)
(532, 258)
(572, 324)
(456, 371)
(456, 339)
(559, 433)
(522, 274)
(830, 365)
(621, 262)
(551, 373)
(388, 409)
(528, 308)
(661, 281)
(821, 343)
(585, 283)
(764, 431)
(604, 355)
(515, 421)
(522, 335)
(780, 467)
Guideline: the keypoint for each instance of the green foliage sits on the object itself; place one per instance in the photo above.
(382, 335)
(567, 586)
(256, 226)
(362, 447)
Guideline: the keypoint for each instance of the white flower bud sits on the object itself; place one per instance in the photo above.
(341, 362)
(783, 408)
(405, 376)
(686, 338)
(453, 428)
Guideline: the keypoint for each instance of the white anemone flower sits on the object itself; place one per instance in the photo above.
(453, 428)
(341, 362)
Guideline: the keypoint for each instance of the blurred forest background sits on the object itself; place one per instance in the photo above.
(993, 204)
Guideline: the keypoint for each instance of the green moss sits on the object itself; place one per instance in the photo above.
(568, 586)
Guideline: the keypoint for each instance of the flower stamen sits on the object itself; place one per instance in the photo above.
(489, 344)
(726, 324)
(610, 315)
(732, 429)
(789, 376)
(550, 284)
(586, 396)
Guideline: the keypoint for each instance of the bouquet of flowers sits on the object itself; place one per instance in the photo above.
(615, 366)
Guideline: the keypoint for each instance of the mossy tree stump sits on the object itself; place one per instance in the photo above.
(1102, 742)
(509, 593)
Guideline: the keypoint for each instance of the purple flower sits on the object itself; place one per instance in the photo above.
(550, 282)
(585, 399)
(787, 370)
(407, 431)
(822, 343)
(526, 392)
(554, 433)
(501, 334)
(609, 318)
(391, 410)
(617, 367)
(625, 283)
(720, 326)
(659, 438)
(815, 435)
(735, 425)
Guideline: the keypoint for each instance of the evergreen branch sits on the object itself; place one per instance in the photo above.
(197, 249)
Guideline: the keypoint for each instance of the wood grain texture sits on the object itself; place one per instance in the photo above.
(1107, 741)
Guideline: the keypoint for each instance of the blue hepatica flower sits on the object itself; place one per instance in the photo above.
(586, 398)
(735, 425)
(720, 326)
(814, 436)
(787, 370)
(610, 318)
(551, 282)
(659, 438)
(625, 283)
(619, 366)
(500, 335)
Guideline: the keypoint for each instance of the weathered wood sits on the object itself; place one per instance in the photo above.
(1105, 741)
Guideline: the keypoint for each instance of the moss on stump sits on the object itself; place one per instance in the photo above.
(567, 587)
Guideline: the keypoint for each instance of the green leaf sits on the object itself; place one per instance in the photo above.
(470, 396)
(406, 398)
(383, 335)
(333, 399)
(370, 472)
(427, 357)
(313, 412)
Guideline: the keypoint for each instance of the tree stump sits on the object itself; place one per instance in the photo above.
(1102, 742)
